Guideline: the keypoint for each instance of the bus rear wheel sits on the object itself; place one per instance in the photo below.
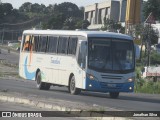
(72, 87)
(41, 85)
(114, 94)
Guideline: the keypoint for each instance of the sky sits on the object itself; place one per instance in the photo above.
(79, 3)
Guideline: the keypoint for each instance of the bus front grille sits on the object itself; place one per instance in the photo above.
(110, 77)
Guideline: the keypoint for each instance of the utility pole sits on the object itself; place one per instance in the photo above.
(149, 21)
(3, 34)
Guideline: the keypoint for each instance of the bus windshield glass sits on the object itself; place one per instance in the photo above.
(111, 55)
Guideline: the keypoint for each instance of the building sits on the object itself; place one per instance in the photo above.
(112, 9)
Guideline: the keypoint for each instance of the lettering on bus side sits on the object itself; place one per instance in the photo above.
(55, 61)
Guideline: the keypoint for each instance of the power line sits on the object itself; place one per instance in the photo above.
(19, 23)
(14, 31)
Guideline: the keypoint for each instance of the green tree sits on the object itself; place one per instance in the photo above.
(55, 22)
(155, 58)
(152, 6)
(5, 9)
(70, 16)
(26, 7)
(68, 9)
(81, 12)
(137, 31)
(69, 24)
(111, 26)
(8, 14)
(85, 24)
(149, 35)
(36, 8)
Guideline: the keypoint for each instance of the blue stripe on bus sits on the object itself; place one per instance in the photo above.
(28, 75)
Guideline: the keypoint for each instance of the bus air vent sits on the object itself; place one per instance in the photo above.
(111, 77)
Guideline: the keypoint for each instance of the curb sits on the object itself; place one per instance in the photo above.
(40, 104)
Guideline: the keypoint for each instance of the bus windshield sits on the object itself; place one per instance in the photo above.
(111, 55)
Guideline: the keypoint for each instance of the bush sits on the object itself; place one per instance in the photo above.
(144, 86)
(155, 58)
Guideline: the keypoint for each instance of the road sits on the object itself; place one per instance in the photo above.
(127, 102)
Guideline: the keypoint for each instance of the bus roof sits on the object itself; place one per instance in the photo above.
(82, 33)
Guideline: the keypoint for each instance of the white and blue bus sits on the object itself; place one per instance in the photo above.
(81, 60)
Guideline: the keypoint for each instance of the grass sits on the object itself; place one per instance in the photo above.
(146, 86)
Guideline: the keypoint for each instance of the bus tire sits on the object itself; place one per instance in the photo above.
(114, 94)
(41, 85)
(47, 86)
(72, 87)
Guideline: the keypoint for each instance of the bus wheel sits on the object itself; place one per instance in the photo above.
(72, 87)
(41, 85)
(114, 94)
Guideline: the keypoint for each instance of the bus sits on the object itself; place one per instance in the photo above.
(95, 61)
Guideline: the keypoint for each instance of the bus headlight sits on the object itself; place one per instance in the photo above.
(131, 79)
(91, 77)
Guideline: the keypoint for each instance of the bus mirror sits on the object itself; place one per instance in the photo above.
(137, 51)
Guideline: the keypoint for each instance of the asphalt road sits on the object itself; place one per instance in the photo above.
(128, 102)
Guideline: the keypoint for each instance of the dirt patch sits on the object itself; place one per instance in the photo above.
(8, 70)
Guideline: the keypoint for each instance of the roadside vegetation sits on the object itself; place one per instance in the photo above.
(148, 57)
(8, 70)
(149, 84)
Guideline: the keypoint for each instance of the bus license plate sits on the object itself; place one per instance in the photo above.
(111, 85)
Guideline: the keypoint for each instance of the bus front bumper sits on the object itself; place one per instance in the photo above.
(93, 85)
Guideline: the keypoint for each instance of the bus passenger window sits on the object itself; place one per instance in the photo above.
(72, 45)
(42, 44)
(52, 44)
(26, 43)
(35, 43)
(63, 44)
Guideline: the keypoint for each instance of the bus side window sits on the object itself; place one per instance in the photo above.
(26, 43)
(63, 44)
(72, 45)
(35, 43)
(52, 44)
(42, 44)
